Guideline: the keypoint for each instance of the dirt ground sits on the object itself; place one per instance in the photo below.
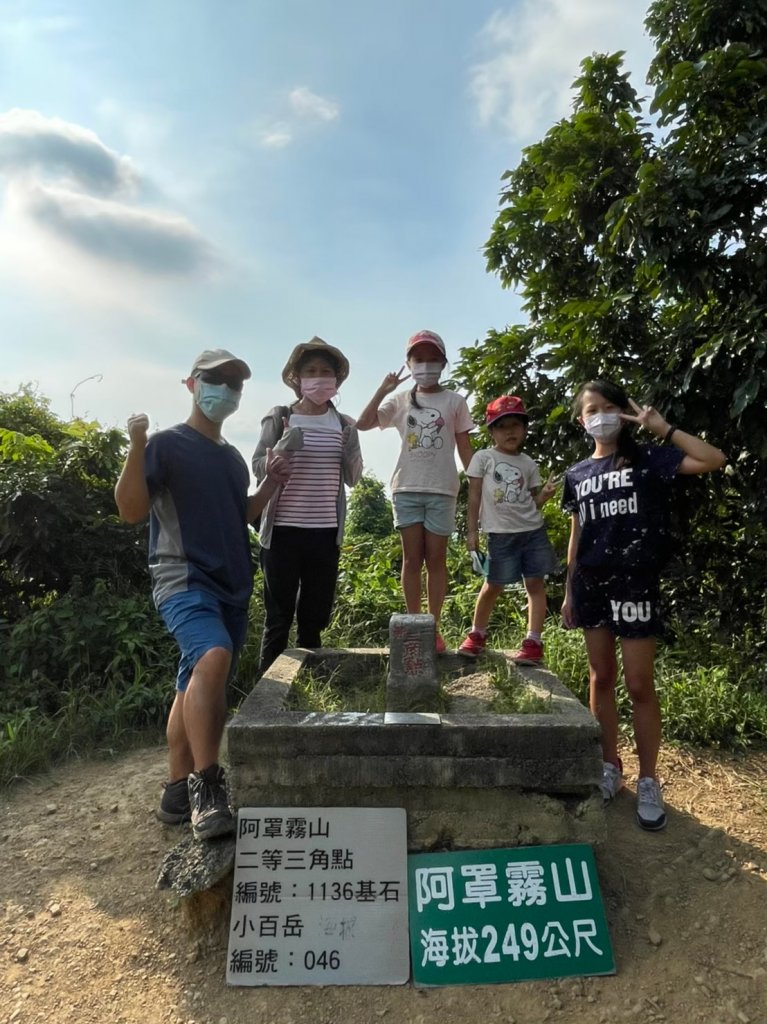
(85, 937)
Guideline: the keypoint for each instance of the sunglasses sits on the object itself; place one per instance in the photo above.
(215, 377)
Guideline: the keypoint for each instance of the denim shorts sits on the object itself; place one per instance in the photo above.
(198, 622)
(435, 511)
(513, 556)
(626, 603)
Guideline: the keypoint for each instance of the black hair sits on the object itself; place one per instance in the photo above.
(328, 357)
(524, 420)
(628, 450)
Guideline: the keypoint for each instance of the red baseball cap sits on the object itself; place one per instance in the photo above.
(427, 338)
(506, 405)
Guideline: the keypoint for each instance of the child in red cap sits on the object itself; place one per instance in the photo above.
(433, 423)
(506, 494)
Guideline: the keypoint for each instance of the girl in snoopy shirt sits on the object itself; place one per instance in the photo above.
(619, 502)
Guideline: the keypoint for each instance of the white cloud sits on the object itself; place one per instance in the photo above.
(305, 109)
(308, 104)
(151, 241)
(277, 137)
(65, 186)
(531, 55)
(31, 144)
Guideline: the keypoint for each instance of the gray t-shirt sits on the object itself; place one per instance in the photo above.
(507, 504)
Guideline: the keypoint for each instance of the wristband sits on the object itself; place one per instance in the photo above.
(669, 434)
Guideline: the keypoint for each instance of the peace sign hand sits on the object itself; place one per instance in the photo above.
(549, 488)
(647, 417)
(393, 380)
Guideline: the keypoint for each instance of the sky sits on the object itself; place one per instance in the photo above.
(177, 175)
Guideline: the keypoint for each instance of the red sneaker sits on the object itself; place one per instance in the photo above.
(439, 644)
(473, 645)
(529, 653)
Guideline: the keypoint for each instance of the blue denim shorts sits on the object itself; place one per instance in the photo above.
(435, 511)
(198, 622)
(514, 556)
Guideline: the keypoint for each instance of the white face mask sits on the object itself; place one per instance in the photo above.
(603, 426)
(426, 374)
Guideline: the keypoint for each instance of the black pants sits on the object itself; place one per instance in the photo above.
(300, 572)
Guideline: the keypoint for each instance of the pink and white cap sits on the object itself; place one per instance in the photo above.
(427, 338)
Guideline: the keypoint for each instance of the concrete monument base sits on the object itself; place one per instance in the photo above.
(466, 781)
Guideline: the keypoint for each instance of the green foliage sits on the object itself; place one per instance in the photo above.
(641, 256)
(82, 641)
(87, 670)
(513, 696)
(311, 692)
(370, 512)
(58, 520)
(368, 592)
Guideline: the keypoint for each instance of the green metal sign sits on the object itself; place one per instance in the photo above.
(486, 916)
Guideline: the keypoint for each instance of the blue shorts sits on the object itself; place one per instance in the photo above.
(626, 603)
(513, 556)
(435, 511)
(198, 622)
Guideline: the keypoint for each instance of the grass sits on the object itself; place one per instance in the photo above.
(85, 685)
(86, 724)
(514, 697)
(315, 692)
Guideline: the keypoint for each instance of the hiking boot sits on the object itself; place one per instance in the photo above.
(529, 653)
(612, 781)
(174, 806)
(440, 644)
(473, 645)
(650, 813)
(210, 806)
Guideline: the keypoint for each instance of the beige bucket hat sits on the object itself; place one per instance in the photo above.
(331, 353)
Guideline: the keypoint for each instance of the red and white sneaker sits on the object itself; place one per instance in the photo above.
(529, 653)
(473, 645)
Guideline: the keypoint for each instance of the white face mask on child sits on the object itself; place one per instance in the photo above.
(426, 374)
(603, 426)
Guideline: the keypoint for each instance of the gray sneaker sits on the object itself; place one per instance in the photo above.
(612, 781)
(174, 806)
(650, 813)
(210, 806)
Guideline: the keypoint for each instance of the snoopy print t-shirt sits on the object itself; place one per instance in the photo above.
(507, 504)
(427, 456)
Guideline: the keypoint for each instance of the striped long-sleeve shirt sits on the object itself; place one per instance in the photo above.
(309, 497)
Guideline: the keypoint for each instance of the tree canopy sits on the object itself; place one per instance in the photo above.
(58, 521)
(639, 245)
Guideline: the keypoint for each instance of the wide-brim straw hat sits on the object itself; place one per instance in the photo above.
(331, 353)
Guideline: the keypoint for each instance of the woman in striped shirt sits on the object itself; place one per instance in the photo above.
(302, 526)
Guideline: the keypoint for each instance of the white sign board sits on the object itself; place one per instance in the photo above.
(320, 897)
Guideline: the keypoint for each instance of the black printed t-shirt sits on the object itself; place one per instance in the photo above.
(623, 511)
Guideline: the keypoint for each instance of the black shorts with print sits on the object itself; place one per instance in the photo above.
(626, 602)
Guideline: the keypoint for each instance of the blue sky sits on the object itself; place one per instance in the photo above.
(184, 174)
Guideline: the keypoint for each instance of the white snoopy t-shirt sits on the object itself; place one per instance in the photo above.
(507, 504)
(427, 457)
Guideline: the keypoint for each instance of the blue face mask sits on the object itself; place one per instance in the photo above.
(216, 401)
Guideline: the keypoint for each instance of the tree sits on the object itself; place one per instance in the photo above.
(58, 521)
(370, 513)
(642, 256)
